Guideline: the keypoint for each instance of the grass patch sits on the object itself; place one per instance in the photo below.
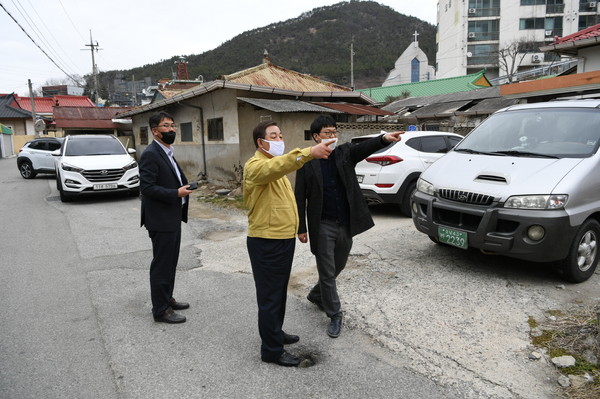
(225, 201)
(573, 333)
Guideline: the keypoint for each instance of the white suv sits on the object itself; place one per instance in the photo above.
(36, 156)
(390, 175)
(95, 163)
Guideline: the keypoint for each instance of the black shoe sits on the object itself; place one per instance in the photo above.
(315, 301)
(335, 326)
(178, 305)
(290, 339)
(168, 316)
(286, 359)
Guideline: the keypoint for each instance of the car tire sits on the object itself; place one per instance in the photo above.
(405, 205)
(64, 196)
(26, 170)
(582, 260)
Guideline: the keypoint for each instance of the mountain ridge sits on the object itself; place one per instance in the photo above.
(317, 43)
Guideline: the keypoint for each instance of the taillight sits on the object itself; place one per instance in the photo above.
(384, 185)
(385, 160)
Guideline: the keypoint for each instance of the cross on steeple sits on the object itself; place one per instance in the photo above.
(415, 35)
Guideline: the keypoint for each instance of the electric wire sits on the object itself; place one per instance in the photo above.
(34, 42)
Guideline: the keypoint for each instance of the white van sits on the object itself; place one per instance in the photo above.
(524, 184)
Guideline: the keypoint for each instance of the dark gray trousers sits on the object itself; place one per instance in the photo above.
(334, 247)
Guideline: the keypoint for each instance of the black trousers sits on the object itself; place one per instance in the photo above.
(335, 243)
(271, 266)
(165, 252)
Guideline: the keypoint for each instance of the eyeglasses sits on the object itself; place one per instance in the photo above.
(330, 134)
(174, 126)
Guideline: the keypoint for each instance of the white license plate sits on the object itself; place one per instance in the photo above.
(453, 237)
(105, 186)
(360, 178)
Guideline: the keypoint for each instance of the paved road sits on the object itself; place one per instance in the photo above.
(76, 319)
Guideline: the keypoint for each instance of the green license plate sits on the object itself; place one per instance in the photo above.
(453, 237)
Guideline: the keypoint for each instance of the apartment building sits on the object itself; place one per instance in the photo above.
(504, 36)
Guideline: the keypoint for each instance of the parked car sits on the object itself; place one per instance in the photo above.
(522, 184)
(89, 164)
(390, 175)
(36, 156)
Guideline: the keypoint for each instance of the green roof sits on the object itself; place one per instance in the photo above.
(429, 87)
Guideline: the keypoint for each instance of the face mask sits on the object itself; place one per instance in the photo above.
(332, 145)
(276, 148)
(168, 137)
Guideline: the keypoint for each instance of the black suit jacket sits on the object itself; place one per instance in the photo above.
(309, 189)
(161, 207)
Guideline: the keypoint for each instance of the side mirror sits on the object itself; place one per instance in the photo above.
(131, 150)
(55, 153)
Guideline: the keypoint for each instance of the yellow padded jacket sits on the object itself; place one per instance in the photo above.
(268, 194)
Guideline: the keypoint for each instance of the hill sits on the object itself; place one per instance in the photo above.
(317, 43)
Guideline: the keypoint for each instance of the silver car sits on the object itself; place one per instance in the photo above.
(524, 184)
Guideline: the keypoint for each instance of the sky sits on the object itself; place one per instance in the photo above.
(132, 33)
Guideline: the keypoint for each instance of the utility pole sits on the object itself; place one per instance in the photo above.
(37, 134)
(94, 47)
(352, 64)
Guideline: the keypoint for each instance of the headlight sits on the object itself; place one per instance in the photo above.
(424, 186)
(131, 166)
(537, 202)
(70, 168)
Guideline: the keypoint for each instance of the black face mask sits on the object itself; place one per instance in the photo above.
(168, 137)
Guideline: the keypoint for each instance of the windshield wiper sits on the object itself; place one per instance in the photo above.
(526, 154)
(471, 151)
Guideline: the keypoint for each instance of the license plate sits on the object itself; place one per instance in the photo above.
(360, 178)
(453, 237)
(105, 186)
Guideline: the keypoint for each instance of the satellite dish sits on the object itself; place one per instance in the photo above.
(40, 125)
(469, 54)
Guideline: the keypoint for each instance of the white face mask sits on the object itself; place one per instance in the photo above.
(276, 148)
(332, 145)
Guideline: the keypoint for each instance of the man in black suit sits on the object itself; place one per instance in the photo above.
(328, 194)
(164, 191)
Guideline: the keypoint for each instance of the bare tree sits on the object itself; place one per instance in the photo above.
(511, 56)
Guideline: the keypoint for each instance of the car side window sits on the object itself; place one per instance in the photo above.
(36, 145)
(453, 141)
(53, 146)
(414, 143)
(435, 144)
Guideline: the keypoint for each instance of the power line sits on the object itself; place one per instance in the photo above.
(37, 45)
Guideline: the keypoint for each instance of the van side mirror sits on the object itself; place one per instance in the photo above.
(131, 150)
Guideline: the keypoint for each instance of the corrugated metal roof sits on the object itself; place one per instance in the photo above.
(430, 87)
(45, 105)
(270, 75)
(411, 102)
(87, 117)
(9, 112)
(355, 109)
(491, 105)
(286, 105)
(439, 109)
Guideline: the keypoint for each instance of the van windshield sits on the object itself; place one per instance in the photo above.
(560, 133)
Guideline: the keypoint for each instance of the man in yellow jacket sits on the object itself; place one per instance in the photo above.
(272, 228)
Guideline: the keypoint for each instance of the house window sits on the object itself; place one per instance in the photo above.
(532, 2)
(144, 135)
(531, 23)
(414, 70)
(307, 135)
(185, 130)
(215, 129)
(585, 21)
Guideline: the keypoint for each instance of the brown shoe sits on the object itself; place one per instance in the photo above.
(170, 317)
(178, 305)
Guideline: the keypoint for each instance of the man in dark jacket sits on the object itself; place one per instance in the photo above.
(165, 191)
(328, 194)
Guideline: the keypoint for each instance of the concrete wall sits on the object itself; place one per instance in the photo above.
(590, 59)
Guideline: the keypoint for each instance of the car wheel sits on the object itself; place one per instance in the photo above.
(405, 205)
(582, 260)
(64, 196)
(26, 170)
